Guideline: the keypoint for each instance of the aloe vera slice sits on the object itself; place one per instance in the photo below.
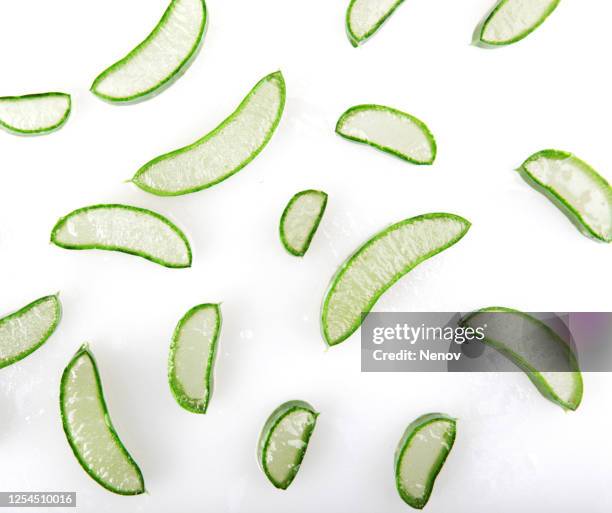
(536, 349)
(23, 332)
(513, 20)
(301, 219)
(192, 357)
(420, 456)
(389, 130)
(126, 229)
(365, 17)
(378, 264)
(90, 431)
(34, 114)
(158, 60)
(284, 440)
(222, 152)
(575, 187)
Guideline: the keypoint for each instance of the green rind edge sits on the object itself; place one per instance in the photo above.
(119, 249)
(46, 335)
(480, 28)
(357, 108)
(533, 374)
(356, 41)
(186, 402)
(170, 79)
(273, 420)
(42, 131)
(300, 252)
(276, 76)
(412, 429)
(559, 201)
(346, 265)
(84, 351)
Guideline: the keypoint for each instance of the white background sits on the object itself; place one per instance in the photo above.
(489, 110)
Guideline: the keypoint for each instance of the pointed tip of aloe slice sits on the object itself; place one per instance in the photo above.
(479, 42)
(328, 342)
(278, 76)
(94, 90)
(83, 349)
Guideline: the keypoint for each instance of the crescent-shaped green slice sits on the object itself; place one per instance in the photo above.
(284, 440)
(34, 114)
(158, 60)
(23, 332)
(581, 193)
(365, 17)
(389, 130)
(300, 220)
(127, 229)
(536, 349)
(378, 264)
(89, 430)
(420, 455)
(513, 20)
(222, 152)
(192, 357)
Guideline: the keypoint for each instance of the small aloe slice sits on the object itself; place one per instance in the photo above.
(34, 114)
(536, 349)
(284, 440)
(365, 17)
(389, 130)
(301, 219)
(89, 429)
(222, 152)
(378, 264)
(158, 60)
(420, 456)
(23, 332)
(126, 229)
(575, 187)
(513, 20)
(192, 357)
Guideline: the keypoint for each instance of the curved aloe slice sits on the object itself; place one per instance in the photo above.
(575, 187)
(192, 357)
(420, 456)
(389, 130)
(160, 59)
(284, 440)
(301, 219)
(222, 152)
(89, 429)
(381, 262)
(34, 114)
(126, 229)
(512, 20)
(365, 17)
(23, 332)
(536, 349)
